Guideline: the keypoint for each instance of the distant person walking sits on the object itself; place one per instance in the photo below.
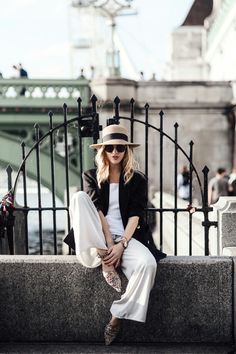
(22, 74)
(21, 70)
(183, 184)
(218, 186)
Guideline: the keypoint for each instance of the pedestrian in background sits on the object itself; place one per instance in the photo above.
(183, 183)
(22, 74)
(232, 182)
(218, 186)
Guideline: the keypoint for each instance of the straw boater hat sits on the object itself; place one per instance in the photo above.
(114, 135)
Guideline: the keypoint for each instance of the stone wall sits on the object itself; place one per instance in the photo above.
(53, 298)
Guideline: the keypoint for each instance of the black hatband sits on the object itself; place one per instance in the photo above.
(115, 136)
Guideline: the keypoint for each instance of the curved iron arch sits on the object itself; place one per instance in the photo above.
(93, 129)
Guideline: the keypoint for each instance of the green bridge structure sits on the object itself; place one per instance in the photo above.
(19, 114)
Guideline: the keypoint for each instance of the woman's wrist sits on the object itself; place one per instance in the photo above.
(120, 244)
(109, 242)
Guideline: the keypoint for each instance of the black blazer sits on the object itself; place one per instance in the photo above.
(132, 200)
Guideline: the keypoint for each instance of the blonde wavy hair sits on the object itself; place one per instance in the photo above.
(129, 165)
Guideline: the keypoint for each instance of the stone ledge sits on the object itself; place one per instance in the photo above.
(94, 348)
(229, 251)
(53, 298)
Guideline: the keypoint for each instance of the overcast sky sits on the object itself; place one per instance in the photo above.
(35, 33)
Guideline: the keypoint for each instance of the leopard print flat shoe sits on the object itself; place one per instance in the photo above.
(111, 333)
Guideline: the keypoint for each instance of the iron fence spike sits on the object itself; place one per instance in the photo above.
(116, 100)
(93, 98)
(9, 169)
(205, 170)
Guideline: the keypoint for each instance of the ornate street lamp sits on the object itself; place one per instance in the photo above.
(110, 9)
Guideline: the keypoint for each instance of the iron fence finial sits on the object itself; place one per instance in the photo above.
(50, 113)
(79, 101)
(205, 170)
(176, 125)
(161, 113)
(117, 104)
(94, 103)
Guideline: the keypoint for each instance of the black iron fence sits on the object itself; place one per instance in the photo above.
(83, 130)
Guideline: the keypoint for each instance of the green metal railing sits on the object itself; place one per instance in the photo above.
(43, 92)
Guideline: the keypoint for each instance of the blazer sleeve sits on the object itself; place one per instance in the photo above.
(138, 199)
(91, 187)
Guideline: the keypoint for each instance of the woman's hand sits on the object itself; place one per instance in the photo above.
(114, 255)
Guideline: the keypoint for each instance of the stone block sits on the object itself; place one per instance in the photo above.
(234, 292)
(226, 216)
(109, 88)
(53, 298)
(191, 302)
(229, 251)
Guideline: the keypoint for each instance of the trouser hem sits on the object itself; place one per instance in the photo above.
(131, 318)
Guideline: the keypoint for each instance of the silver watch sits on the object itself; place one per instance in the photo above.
(124, 242)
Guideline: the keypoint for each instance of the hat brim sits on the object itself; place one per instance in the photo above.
(113, 142)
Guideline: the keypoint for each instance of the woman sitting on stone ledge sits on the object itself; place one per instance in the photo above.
(109, 229)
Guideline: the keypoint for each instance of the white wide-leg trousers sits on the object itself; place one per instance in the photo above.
(138, 264)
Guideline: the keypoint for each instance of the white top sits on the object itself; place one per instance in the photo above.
(113, 215)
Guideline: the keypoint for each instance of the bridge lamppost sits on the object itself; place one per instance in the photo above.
(110, 9)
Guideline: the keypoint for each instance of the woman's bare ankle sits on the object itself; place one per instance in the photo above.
(115, 321)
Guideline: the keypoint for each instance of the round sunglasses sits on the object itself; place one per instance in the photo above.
(119, 148)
